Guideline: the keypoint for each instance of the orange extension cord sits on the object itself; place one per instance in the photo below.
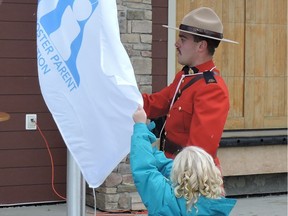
(52, 163)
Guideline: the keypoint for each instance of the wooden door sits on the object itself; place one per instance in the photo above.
(266, 64)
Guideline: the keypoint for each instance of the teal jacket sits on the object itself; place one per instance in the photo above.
(151, 174)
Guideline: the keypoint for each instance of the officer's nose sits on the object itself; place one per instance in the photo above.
(177, 43)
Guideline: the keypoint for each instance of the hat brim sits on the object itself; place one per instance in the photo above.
(223, 39)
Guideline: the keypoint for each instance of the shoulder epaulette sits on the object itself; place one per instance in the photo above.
(209, 77)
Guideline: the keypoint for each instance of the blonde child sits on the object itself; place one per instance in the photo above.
(190, 184)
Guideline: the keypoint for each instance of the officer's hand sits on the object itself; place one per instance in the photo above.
(140, 115)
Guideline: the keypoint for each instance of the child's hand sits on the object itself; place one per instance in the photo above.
(140, 115)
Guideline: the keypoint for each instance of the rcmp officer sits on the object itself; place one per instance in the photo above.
(196, 103)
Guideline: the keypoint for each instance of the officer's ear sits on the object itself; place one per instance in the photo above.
(203, 45)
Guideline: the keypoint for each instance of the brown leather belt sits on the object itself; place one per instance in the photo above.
(170, 147)
(173, 148)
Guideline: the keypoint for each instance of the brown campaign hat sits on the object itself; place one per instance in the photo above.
(203, 22)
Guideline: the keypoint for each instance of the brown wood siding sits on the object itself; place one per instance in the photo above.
(159, 44)
(25, 168)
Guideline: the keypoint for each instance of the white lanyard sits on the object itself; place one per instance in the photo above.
(178, 86)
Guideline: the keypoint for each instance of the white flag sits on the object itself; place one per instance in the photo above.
(87, 82)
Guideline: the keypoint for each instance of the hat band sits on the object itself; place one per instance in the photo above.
(201, 31)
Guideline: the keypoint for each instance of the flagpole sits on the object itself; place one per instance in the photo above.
(76, 188)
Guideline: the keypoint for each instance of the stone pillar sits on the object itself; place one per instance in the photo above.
(135, 21)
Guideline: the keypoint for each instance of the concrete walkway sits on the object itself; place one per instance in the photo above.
(275, 205)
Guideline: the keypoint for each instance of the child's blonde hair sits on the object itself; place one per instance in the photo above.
(193, 174)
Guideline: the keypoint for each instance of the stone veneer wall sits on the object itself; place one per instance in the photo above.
(135, 21)
(118, 192)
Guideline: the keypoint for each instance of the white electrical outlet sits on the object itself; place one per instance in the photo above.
(31, 120)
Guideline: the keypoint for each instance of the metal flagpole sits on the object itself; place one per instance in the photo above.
(76, 188)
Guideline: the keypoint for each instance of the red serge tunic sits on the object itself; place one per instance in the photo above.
(198, 116)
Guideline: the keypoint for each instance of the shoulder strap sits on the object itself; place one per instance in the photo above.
(198, 77)
(209, 77)
(195, 79)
